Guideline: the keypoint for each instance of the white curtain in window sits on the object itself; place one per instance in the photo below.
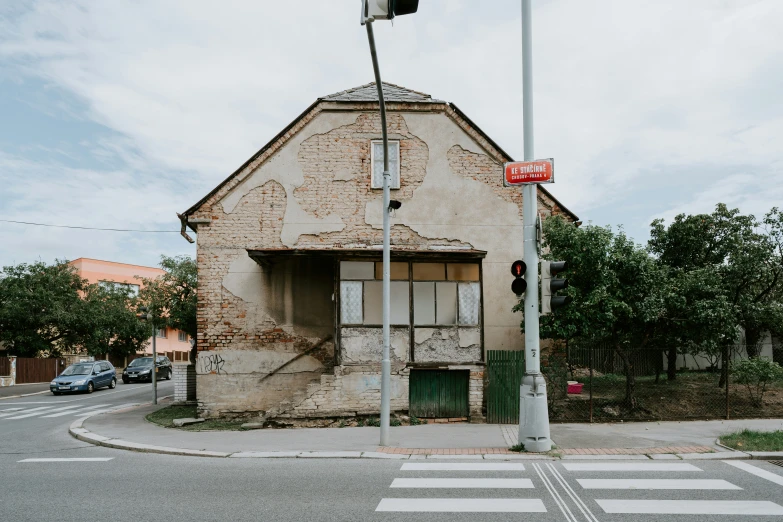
(469, 303)
(351, 302)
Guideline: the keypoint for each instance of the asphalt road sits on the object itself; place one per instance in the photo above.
(144, 486)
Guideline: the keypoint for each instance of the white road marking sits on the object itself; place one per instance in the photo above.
(555, 495)
(571, 493)
(629, 466)
(690, 507)
(74, 410)
(463, 505)
(94, 459)
(32, 413)
(750, 468)
(462, 466)
(655, 484)
(482, 483)
(70, 409)
(12, 409)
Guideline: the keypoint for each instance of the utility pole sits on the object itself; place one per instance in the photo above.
(154, 366)
(533, 412)
(145, 315)
(385, 362)
(384, 10)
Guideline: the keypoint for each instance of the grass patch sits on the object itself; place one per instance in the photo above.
(518, 448)
(165, 417)
(751, 440)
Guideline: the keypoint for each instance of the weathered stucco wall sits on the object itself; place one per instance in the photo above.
(447, 344)
(312, 189)
(365, 345)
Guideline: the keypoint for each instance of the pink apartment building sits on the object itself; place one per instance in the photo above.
(109, 273)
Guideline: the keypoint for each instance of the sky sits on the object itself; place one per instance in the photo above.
(120, 113)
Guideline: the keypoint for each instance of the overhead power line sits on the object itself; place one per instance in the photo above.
(92, 228)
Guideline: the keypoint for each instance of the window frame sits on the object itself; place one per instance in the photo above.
(182, 336)
(457, 324)
(392, 185)
(411, 307)
(340, 280)
(163, 330)
(131, 288)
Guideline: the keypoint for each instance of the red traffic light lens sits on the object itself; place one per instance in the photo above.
(518, 268)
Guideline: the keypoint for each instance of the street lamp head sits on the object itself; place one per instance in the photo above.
(386, 9)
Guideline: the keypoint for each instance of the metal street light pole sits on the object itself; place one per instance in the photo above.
(154, 366)
(385, 363)
(533, 413)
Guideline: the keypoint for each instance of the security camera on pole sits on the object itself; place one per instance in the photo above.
(385, 10)
(533, 412)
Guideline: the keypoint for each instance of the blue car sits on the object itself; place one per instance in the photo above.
(84, 376)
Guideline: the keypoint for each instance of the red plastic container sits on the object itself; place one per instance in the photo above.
(575, 389)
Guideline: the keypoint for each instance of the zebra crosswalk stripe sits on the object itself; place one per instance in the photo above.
(47, 412)
(702, 484)
(481, 483)
(690, 507)
(463, 505)
(32, 413)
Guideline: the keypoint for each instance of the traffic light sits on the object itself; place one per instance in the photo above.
(550, 284)
(518, 285)
(144, 315)
(387, 9)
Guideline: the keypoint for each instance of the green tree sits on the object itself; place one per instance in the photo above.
(49, 310)
(39, 307)
(618, 291)
(110, 324)
(171, 298)
(740, 256)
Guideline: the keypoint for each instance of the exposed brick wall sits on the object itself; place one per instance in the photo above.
(486, 170)
(336, 170)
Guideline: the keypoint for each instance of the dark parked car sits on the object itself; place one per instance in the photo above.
(84, 376)
(141, 369)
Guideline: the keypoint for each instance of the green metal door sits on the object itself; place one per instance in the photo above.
(504, 375)
(439, 393)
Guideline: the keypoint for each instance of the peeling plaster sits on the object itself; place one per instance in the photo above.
(422, 334)
(469, 337)
(448, 344)
(365, 345)
(480, 218)
(284, 168)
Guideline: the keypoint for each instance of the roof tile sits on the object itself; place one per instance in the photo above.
(391, 93)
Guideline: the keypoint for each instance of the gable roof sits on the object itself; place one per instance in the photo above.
(391, 93)
(367, 93)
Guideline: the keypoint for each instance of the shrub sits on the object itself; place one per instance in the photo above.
(756, 374)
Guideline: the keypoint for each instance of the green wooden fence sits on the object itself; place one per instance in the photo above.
(505, 369)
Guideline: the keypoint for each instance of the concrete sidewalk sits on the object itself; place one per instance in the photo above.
(129, 430)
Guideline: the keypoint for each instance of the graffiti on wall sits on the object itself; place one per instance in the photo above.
(212, 363)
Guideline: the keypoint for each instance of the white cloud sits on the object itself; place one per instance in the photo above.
(623, 90)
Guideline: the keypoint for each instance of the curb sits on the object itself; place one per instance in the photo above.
(78, 431)
(24, 395)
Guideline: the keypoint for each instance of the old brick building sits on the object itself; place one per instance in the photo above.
(289, 251)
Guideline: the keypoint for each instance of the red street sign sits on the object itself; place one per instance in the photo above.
(527, 172)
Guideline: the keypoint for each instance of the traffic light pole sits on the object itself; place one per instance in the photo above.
(385, 363)
(533, 413)
(154, 367)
